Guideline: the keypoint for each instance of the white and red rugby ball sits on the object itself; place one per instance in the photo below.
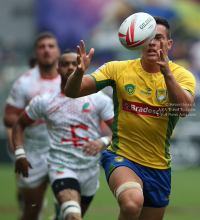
(137, 31)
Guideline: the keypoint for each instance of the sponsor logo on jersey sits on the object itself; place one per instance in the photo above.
(161, 95)
(60, 170)
(147, 91)
(130, 88)
(144, 109)
(119, 159)
(85, 107)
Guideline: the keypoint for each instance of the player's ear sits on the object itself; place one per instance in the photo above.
(169, 44)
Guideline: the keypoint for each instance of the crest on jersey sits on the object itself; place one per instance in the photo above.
(119, 159)
(85, 107)
(161, 95)
(130, 88)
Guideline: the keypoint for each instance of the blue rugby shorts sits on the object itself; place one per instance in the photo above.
(156, 182)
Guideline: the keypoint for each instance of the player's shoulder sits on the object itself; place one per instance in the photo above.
(123, 64)
(177, 69)
(28, 76)
(49, 95)
(99, 97)
(117, 68)
(98, 94)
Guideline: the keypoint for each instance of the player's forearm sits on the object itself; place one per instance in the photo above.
(17, 135)
(9, 135)
(73, 85)
(179, 99)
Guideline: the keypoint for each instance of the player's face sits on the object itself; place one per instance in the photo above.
(67, 64)
(149, 52)
(47, 52)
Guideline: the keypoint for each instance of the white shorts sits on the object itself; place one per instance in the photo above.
(37, 175)
(87, 178)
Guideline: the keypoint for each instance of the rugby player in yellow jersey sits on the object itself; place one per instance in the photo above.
(149, 95)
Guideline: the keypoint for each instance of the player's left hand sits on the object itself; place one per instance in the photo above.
(22, 165)
(92, 148)
(163, 59)
(83, 59)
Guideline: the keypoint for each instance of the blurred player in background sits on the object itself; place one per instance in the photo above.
(43, 77)
(75, 144)
(138, 161)
(32, 63)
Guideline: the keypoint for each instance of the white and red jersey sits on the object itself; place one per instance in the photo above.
(23, 90)
(70, 123)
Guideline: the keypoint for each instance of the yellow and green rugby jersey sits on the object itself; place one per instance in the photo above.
(142, 123)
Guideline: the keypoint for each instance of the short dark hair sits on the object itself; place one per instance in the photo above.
(69, 50)
(44, 35)
(164, 22)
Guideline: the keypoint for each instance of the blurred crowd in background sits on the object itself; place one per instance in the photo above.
(97, 23)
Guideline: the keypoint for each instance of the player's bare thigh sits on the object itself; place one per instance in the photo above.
(67, 195)
(121, 175)
(151, 213)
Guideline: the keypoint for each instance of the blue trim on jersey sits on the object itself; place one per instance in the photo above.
(156, 182)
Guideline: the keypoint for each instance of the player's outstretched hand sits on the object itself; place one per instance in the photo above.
(82, 58)
(22, 165)
(162, 59)
(92, 148)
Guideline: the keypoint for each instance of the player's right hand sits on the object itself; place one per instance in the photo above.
(22, 165)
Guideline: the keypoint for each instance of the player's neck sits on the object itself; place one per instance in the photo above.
(63, 83)
(62, 86)
(150, 67)
(48, 72)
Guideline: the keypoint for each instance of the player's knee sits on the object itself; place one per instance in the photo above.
(70, 207)
(130, 203)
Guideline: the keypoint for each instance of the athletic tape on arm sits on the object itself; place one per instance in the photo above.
(19, 152)
(106, 142)
(125, 186)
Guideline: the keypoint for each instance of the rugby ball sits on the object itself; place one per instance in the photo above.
(137, 31)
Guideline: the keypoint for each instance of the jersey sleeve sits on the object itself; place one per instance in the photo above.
(186, 80)
(105, 106)
(104, 76)
(36, 108)
(16, 96)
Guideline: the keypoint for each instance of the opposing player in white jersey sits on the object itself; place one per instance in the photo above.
(73, 126)
(10, 149)
(36, 81)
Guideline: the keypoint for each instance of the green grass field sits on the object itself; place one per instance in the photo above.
(184, 205)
